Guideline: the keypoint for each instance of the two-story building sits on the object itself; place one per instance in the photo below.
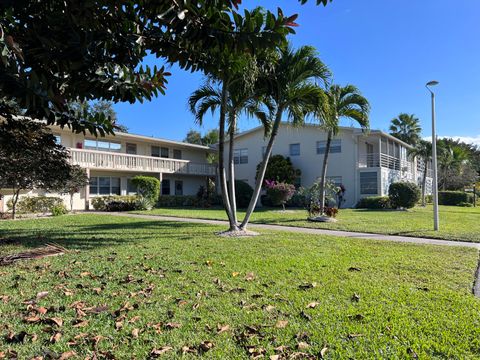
(366, 163)
(111, 162)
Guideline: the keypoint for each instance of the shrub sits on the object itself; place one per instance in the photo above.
(187, 201)
(404, 195)
(465, 204)
(280, 169)
(279, 193)
(147, 187)
(58, 210)
(374, 202)
(298, 200)
(143, 203)
(114, 203)
(454, 198)
(243, 193)
(331, 211)
(36, 204)
(429, 199)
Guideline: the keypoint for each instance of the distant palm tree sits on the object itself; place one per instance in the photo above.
(343, 102)
(291, 87)
(406, 127)
(450, 158)
(423, 150)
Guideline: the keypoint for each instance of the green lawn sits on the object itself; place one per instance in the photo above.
(133, 285)
(456, 223)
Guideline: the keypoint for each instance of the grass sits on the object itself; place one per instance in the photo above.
(413, 300)
(456, 223)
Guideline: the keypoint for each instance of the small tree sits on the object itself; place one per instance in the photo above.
(279, 192)
(403, 195)
(77, 180)
(148, 187)
(280, 169)
(31, 159)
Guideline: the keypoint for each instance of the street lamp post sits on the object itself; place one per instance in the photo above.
(434, 159)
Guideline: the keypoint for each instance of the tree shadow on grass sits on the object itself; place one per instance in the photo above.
(88, 237)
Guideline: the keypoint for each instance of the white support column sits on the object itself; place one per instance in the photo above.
(160, 177)
(87, 192)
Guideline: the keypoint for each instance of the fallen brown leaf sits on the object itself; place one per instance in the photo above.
(312, 305)
(55, 338)
(307, 286)
(135, 332)
(42, 294)
(172, 325)
(161, 351)
(281, 324)
(78, 324)
(302, 345)
(67, 355)
(323, 352)
(250, 276)
(222, 328)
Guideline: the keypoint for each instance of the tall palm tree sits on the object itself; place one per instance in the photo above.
(423, 150)
(290, 84)
(240, 99)
(343, 102)
(406, 127)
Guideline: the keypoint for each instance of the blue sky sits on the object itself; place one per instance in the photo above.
(389, 49)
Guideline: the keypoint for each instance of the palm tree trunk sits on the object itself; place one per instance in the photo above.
(323, 177)
(221, 152)
(262, 170)
(424, 185)
(231, 166)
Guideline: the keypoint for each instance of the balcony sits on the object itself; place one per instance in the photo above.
(119, 161)
(376, 160)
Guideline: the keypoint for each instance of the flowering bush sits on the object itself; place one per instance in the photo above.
(331, 212)
(279, 193)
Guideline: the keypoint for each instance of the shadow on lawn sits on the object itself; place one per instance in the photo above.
(87, 237)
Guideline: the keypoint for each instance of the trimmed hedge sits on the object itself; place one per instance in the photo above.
(404, 195)
(188, 201)
(36, 204)
(243, 193)
(454, 198)
(374, 202)
(147, 187)
(115, 203)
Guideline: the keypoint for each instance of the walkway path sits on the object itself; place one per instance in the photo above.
(348, 234)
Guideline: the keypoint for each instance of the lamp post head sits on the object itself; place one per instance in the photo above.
(432, 83)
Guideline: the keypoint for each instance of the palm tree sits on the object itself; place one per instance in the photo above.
(293, 93)
(406, 127)
(241, 98)
(423, 150)
(343, 102)
(451, 157)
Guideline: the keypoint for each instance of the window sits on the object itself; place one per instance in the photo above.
(155, 151)
(102, 145)
(368, 183)
(294, 149)
(336, 180)
(240, 156)
(178, 187)
(131, 189)
(177, 154)
(165, 187)
(104, 185)
(131, 148)
(164, 152)
(58, 139)
(335, 146)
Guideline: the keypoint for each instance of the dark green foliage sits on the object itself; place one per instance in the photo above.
(404, 195)
(114, 203)
(374, 202)
(243, 193)
(147, 187)
(36, 204)
(280, 169)
(188, 201)
(454, 198)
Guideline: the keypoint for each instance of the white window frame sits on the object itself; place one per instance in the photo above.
(96, 147)
(240, 156)
(337, 180)
(370, 192)
(110, 182)
(294, 149)
(335, 146)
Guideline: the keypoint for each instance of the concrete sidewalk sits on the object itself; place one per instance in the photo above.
(302, 230)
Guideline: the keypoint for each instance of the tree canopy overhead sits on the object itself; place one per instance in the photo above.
(58, 51)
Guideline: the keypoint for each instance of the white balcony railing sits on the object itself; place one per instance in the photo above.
(119, 161)
(376, 160)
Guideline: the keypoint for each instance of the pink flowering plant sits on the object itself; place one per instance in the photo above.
(279, 192)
